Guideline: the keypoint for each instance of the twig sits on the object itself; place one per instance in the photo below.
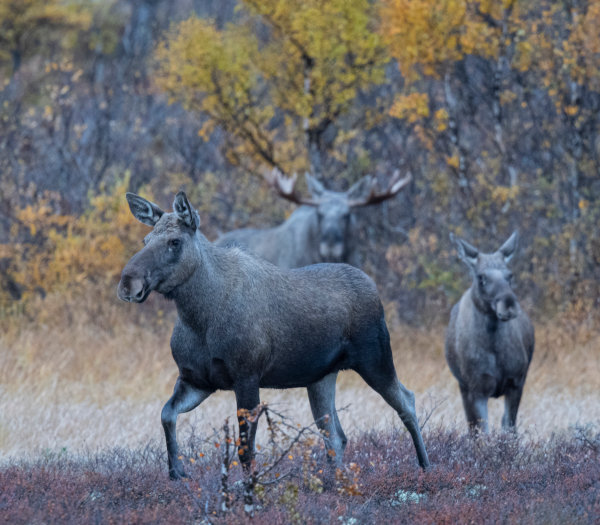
(437, 405)
(226, 502)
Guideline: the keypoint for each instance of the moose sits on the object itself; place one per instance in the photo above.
(245, 324)
(322, 229)
(490, 339)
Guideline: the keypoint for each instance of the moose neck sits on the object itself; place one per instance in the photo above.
(484, 316)
(195, 298)
(303, 226)
(481, 306)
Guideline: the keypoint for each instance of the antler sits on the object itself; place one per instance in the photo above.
(395, 185)
(286, 187)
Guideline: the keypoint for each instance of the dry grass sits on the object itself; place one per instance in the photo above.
(83, 374)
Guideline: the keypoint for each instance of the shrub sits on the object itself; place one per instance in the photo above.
(61, 252)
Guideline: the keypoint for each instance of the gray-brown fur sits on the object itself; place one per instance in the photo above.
(245, 324)
(322, 232)
(490, 339)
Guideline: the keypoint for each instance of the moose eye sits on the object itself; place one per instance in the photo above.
(174, 243)
(482, 279)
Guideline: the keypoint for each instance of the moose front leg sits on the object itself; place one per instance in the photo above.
(248, 398)
(322, 403)
(476, 410)
(185, 398)
(512, 399)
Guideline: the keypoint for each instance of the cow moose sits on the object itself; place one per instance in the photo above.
(244, 324)
(490, 339)
(322, 229)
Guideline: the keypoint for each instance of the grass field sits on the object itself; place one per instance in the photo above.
(83, 375)
(82, 383)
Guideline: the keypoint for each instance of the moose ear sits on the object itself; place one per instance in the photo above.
(508, 249)
(143, 210)
(188, 215)
(314, 186)
(467, 252)
(361, 190)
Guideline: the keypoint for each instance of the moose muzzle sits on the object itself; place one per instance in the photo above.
(331, 252)
(132, 289)
(505, 306)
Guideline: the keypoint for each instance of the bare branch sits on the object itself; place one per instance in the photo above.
(225, 495)
(284, 453)
(438, 403)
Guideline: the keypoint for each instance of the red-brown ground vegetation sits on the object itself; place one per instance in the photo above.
(499, 478)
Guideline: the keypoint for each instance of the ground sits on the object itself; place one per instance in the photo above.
(81, 391)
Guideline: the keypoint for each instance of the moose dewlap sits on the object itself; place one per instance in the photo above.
(245, 324)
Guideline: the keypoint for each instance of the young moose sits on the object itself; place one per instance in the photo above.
(245, 324)
(490, 340)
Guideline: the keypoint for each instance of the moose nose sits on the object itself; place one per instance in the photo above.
(505, 307)
(331, 252)
(131, 289)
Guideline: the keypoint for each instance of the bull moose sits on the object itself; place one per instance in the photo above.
(323, 229)
(244, 324)
(490, 339)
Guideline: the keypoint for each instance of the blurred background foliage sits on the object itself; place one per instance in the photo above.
(493, 106)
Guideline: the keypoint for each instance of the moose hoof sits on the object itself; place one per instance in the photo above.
(177, 474)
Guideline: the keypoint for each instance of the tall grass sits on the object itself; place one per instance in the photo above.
(87, 371)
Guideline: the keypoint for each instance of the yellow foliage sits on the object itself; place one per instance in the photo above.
(441, 119)
(571, 110)
(506, 97)
(453, 161)
(20, 20)
(412, 107)
(564, 45)
(502, 194)
(65, 250)
(319, 55)
(523, 55)
(425, 36)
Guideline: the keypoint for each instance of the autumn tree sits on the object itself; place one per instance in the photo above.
(495, 109)
(83, 114)
(282, 81)
(503, 96)
(564, 58)
(29, 26)
(439, 43)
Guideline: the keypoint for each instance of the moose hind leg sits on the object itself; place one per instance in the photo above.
(185, 398)
(379, 373)
(402, 401)
(321, 396)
